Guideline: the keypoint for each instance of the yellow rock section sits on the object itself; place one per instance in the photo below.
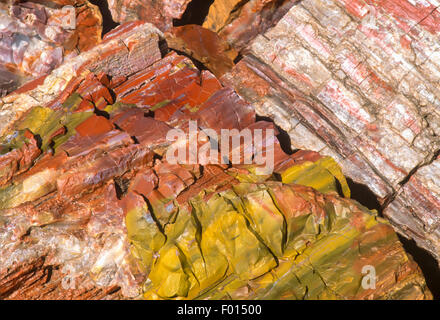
(219, 13)
(272, 240)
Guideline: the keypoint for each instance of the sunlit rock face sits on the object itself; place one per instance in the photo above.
(357, 80)
(238, 22)
(88, 196)
(92, 207)
(159, 13)
(266, 240)
(36, 37)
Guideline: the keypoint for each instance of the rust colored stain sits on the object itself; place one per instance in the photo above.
(94, 125)
(203, 45)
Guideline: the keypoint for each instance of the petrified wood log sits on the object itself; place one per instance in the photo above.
(159, 13)
(203, 45)
(35, 38)
(238, 21)
(91, 208)
(358, 80)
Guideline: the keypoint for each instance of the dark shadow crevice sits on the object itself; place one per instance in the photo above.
(199, 65)
(238, 58)
(195, 13)
(282, 136)
(107, 21)
(362, 194)
(121, 186)
(163, 48)
(427, 263)
(101, 113)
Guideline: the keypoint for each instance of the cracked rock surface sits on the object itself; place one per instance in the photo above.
(357, 80)
(35, 38)
(91, 207)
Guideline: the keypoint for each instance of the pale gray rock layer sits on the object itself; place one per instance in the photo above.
(359, 81)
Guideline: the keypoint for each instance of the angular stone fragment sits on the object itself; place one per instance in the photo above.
(36, 38)
(219, 13)
(287, 222)
(97, 200)
(203, 45)
(159, 13)
(238, 22)
(20, 159)
(348, 79)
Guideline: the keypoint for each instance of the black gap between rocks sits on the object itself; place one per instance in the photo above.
(196, 62)
(195, 13)
(121, 186)
(427, 264)
(362, 194)
(107, 21)
(283, 137)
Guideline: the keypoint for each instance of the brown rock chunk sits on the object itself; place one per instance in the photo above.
(203, 45)
(238, 22)
(146, 130)
(159, 13)
(225, 110)
(173, 178)
(94, 125)
(19, 160)
(39, 37)
(145, 182)
(115, 163)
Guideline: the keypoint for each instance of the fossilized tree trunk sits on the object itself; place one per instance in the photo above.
(35, 37)
(91, 208)
(358, 80)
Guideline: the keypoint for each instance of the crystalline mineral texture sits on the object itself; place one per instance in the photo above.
(36, 38)
(240, 21)
(358, 81)
(160, 13)
(94, 210)
(91, 207)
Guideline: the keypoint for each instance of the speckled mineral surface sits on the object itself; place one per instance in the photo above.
(92, 207)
